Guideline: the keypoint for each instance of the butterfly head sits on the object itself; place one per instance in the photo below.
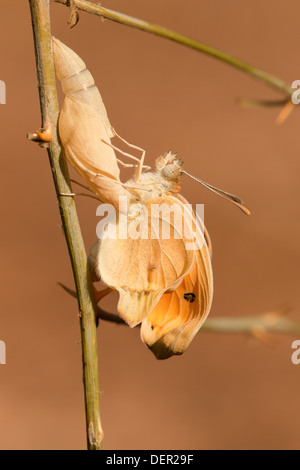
(169, 166)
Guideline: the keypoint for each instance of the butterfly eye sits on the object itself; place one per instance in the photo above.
(171, 171)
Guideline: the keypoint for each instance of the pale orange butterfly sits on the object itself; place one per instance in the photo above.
(161, 283)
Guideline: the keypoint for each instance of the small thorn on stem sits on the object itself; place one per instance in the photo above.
(99, 295)
(74, 15)
(71, 292)
(43, 136)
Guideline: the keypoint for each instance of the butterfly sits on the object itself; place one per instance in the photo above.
(165, 283)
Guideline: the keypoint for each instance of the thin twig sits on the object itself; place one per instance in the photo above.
(271, 322)
(245, 325)
(127, 20)
(74, 17)
(100, 313)
(249, 103)
(49, 108)
(259, 327)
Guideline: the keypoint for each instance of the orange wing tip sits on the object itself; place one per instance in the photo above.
(165, 346)
(155, 343)
(161, 351)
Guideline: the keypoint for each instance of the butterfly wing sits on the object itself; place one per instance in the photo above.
(170, 327)
(107, 189)
(143, 268)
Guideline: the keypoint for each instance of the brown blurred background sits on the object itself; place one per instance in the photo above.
(225, 392)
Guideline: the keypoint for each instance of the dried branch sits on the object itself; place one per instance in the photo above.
(271, 322)
(256, 326)
(49, 108)
(151, 28)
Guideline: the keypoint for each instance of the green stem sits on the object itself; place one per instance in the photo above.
(127, 20)
(247, 325)
(40, 15)
(274, 322)
(271, 323)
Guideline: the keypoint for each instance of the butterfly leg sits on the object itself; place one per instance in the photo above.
(121, 151)
(126, 165)
(131, 165)
(140, 167)
(141, 161)
(140, 164)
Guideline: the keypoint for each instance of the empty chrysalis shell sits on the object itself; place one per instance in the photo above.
(83, 124)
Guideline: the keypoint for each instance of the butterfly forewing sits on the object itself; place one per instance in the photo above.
(178, 316)
(143, 269)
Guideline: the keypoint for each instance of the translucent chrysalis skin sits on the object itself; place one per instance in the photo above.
(83, 123)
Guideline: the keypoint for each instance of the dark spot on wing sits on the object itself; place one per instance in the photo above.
(189, 297)
(152, 267)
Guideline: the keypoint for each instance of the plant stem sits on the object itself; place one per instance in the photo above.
(40, 15)
(270, 323)
(127, 20)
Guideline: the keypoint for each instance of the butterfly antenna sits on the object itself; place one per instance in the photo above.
(229, 197)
